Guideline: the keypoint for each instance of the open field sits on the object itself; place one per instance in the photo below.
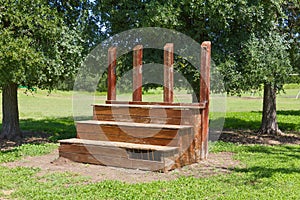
(53, 113)
(263, 172)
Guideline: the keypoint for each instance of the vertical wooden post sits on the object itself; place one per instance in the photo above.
(205, 72)
(168, 72)
(137, 73)
(112, 57)
(204, 95)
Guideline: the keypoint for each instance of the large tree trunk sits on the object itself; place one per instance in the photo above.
(269, 123)
(10, 111)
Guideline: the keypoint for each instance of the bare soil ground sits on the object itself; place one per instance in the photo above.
(218, 163)
(248, 137)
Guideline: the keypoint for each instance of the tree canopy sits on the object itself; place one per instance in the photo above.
(42, 41)
(36, 49)
(250, 39)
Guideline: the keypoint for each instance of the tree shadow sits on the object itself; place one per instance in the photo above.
(239, 124)
(38, 131)
(254, 124)
(289, 112)
(248, 137)
(260, 172)
(52, 128)
(281, 154)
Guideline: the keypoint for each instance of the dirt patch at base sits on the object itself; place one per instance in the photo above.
(218, 163)
(29, 137)
(249, 137)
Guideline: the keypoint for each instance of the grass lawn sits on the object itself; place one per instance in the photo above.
(265, 172)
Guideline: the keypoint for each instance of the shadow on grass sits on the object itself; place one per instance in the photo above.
(267, 172)
(283, 157)
(289, 112)
(239, 124)
(287, 120)
(54, 128)
(41, 131)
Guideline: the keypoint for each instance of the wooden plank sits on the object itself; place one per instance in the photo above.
(143, 119)
(128, 138)
(93, 149)
(110, 103)
(204, 95)
(117, 144)
(198, 128)
(98, 153)
(205, 71)
(133, 125)
(137, 73)
(111, 79)
(157, 139)
(157, 116)
(134, 132)
(168, 72)
(153, 112)
(116, 162)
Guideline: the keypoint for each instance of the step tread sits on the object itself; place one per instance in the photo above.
(134, 124)
(175, 107)
(118, 144)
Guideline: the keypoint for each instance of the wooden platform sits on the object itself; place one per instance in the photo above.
(156, 136)
(150, 133)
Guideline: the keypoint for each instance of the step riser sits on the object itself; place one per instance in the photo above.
(139, 135)
(85, 149)
(117, 157)
(138, 132)
(145, 115)
(143, 119)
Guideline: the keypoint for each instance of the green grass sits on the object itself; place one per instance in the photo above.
(288, 120)
(265, 172)
(26, 150)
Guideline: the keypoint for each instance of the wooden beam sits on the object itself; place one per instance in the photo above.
(160, 104)
(168, 72)
(112, 57)
(137, 73)
(205, 72)
(204, 95)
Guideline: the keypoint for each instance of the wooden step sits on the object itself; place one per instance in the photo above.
(139, 133)
(119, 154)
(157, 114)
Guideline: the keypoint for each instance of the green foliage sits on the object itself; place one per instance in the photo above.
(77, 14)
(36, 48)
(228, 24)
(266, 61)
(291, 26)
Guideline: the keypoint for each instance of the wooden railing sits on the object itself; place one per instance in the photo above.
(168, 74)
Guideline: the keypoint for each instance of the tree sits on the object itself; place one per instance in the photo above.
(36, 49)
(267, 63)
(78, 14)
(231, 26)
(291, 27)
